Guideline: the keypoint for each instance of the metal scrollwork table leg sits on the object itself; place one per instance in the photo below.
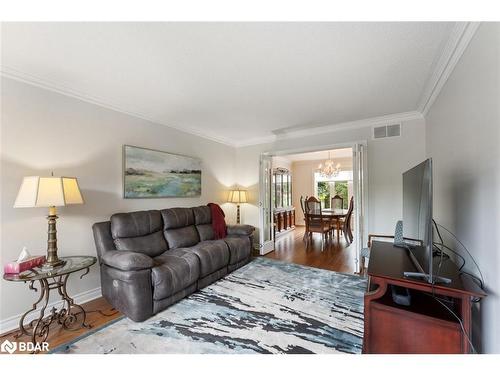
(66, 316)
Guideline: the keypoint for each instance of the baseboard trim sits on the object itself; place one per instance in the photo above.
(12, 323)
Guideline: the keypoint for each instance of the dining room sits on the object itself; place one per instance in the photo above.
(313, 204)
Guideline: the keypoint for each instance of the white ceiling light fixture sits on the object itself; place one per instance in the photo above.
(328, 168)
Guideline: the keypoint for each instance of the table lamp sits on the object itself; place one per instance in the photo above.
(49, 192)
(237, 196)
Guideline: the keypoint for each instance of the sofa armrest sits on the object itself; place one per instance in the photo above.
(127, 260)
(240, 230)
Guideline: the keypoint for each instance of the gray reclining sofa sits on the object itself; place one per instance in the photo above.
(151, 259)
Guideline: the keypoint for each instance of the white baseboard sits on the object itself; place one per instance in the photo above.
(12, 323)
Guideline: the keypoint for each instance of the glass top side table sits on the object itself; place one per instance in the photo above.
(56, 278)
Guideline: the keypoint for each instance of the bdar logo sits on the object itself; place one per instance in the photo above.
(9, 347)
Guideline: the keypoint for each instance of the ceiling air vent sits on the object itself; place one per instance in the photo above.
(386, 131)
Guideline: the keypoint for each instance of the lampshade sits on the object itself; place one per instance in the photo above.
(38, 191)
(237, 196)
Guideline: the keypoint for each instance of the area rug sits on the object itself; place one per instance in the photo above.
(267, 306)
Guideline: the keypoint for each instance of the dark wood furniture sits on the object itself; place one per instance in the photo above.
(316, 222)
(346, 222)
(283, 211)
(333, 216)
(425, 326)
(337, 202)
(284, 219)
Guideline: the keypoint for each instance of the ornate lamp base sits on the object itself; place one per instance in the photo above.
(53, 260)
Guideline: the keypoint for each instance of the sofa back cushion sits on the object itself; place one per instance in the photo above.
(203, 222)
(178, 227)
(139, 231)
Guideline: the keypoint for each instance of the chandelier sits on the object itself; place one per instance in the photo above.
(328, 169)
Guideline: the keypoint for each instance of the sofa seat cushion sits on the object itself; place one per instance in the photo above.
(239, 248)
(213, 256)
(173, 271)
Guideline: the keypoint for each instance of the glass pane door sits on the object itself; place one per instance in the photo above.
(266, 234)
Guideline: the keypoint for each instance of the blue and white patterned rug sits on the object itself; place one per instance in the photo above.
(266, 306)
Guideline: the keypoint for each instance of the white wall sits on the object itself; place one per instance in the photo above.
(387, 160)
(43, 131)
(463, 134)
(282, 162)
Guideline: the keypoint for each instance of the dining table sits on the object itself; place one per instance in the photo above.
(333, 214)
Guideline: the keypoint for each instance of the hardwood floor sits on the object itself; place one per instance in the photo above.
(99, 313)
(289, 247)
(336, 256)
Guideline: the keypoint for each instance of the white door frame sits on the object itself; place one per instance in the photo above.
(361, 214)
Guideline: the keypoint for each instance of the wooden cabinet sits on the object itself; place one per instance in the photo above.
(424, 327)
(284, 220)
(284, 213)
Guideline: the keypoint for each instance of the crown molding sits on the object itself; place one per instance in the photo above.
(64, 90)
(458, 41)
(372, 121)
(283, 134)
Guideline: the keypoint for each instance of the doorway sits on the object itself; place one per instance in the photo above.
(304, 177)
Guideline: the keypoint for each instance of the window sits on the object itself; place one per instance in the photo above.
(340, 185)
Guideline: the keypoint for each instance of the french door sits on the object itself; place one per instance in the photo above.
(359, 164)
(266, 233)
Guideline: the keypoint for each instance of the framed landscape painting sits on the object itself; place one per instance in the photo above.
(157, 174)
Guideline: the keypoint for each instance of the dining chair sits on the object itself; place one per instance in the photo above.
(302, 206)
(315, 221)
(346, 223)
(337, 202)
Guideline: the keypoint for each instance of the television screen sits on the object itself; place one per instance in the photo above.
(417, 215)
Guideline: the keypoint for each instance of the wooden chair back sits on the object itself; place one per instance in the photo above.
(348, 220)
(313, 214)
(302, 205)
(350, 210)
(337, 202)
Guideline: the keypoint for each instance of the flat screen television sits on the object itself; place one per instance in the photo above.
(417, 220)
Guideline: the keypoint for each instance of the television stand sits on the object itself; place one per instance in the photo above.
(425, 326)
(426, 278)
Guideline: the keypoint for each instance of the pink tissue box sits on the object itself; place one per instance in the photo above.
(27, 264)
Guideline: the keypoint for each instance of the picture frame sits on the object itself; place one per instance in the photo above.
(153, 174)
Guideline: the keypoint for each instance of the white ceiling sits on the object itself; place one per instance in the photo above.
(238, 83)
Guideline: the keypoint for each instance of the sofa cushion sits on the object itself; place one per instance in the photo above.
(177, 217)
(213, 256)
(134, 224)
(203, 222)
(239, 248)
(179, 229)
(182, 237)
(174, 271)
(202, 215)
(139, 231)
(206, 232)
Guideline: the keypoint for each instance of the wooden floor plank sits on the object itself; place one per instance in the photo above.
(334, 256)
